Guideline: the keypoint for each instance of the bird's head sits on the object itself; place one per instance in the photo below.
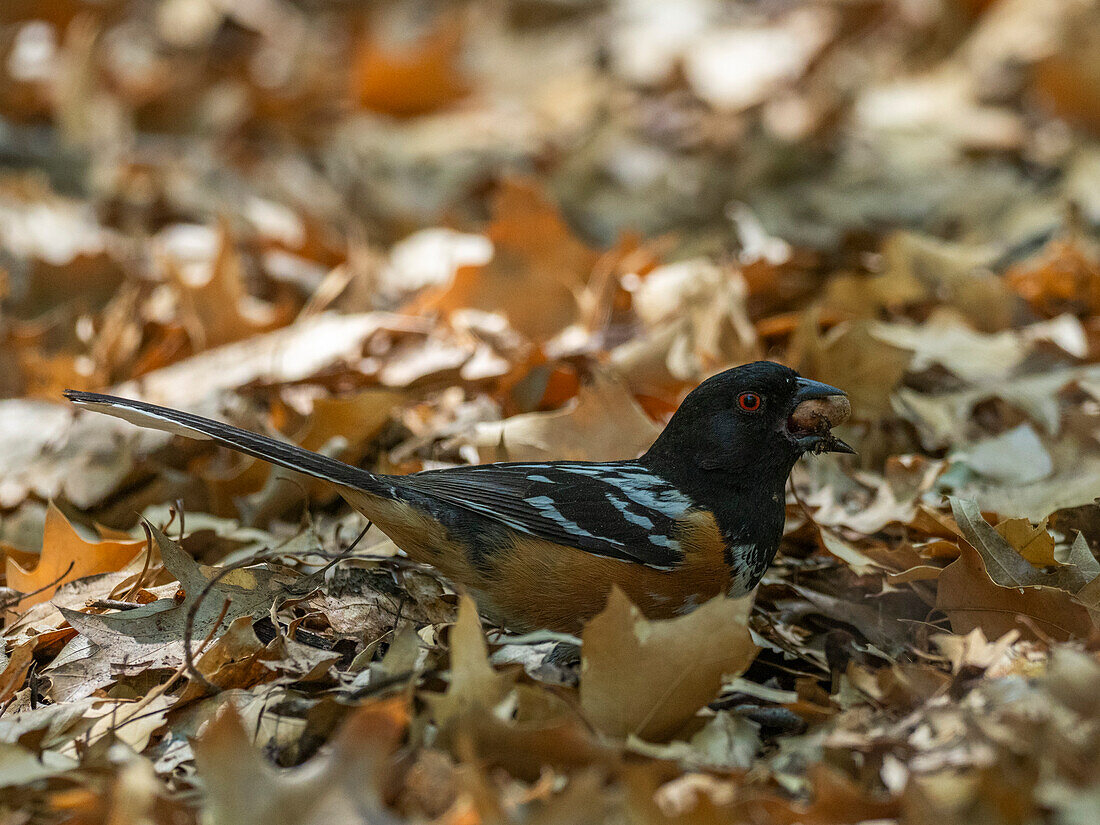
(755, 417)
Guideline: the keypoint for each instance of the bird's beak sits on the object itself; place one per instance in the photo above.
(817, 409)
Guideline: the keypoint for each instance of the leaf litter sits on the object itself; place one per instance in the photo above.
(474, 232)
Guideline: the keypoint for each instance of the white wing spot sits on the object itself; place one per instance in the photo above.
(624, 508)
(664, 541)
(640, 486)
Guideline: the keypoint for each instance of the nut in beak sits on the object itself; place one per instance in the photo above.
(818, 408)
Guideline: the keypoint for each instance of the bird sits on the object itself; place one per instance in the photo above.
(540, 545)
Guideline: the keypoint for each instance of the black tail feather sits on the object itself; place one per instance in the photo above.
(263, 447)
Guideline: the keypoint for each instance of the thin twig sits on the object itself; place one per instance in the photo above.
(347, 550)
(32, 683)
(139, 581)
(179, 509)
(114, 604)
(189, 628)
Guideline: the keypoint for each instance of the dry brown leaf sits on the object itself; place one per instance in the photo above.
(847, 552)
(698, 323)
(15, 668)
(475, 687)
(1068, 81)
(152, 636)
(1004, 563)
(1064, 277)
(971, 600)
(62, 547)
(235, 660)
(219, 310)
(649, 678)
(287, 355)
(920, 268)
(340, 785)
(414, 80)
(851, 357)
(973, 649)
(540, 731)
(839, 799)
(537, 271)
(603, 423)
(1032, 541)
(544, 732)
(337, 426)
(942, 339)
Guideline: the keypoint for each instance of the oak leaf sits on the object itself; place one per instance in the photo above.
(65, 557)
(649, 678)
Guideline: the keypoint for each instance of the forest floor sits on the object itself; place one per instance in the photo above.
(420, 234)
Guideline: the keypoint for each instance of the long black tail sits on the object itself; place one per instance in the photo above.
(186, 424)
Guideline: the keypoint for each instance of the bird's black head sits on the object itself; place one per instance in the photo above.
(753, 422)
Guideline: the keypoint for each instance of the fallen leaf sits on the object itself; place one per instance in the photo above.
(152, 636)
(850, 356)
(1068, 80)
(63, 550)
(697, 322)
(973, 356)
(1014, 457)
(1033, 542)
(537, 271)
(343, 784)
(13, 669)
(739, 66)
(603, 423)
(972, 600)
(1006, 567)
(973, 649)
(649, 678)
(475, 688)
(940, 417)
(288, 355)
(920, 268)
(411, 80)
(47, 452)
(218, 309)
(847, 552)
(23, 767)
(1064, 277)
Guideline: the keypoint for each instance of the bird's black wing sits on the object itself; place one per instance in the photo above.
(620, 510)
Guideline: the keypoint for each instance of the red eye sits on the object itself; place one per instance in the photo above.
(749, 401)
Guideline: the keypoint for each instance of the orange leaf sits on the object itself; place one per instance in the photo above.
(62, 546)
(971, 599)
(409, 81)
(1064, 278)
(220, 310)
(15, 669)
(538, 267)
(1069, 82)
(649, 678)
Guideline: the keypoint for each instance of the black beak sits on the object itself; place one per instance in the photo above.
(832, 444)
(832, 408)
(808, 390)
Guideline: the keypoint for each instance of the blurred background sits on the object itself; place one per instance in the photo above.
(416, 234)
